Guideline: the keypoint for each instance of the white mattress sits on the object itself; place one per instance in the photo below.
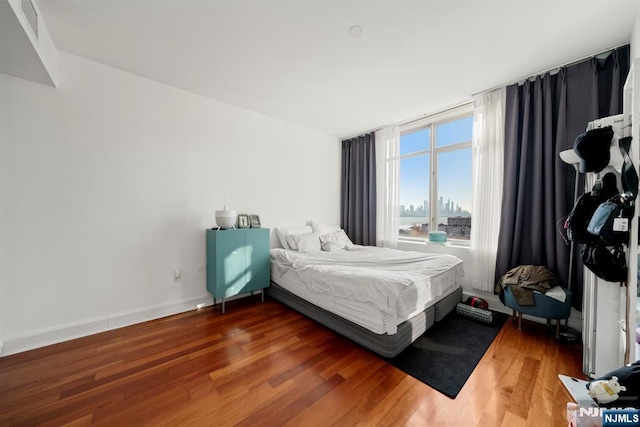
(376, 288)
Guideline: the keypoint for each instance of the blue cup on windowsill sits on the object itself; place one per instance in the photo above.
(438, 236)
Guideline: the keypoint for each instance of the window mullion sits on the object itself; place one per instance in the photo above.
(433, 204)
(414, 154)
(455, 147)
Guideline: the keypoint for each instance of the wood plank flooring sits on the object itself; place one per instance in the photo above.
(262, 364)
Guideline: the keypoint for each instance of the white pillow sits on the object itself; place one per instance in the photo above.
(304, 242)
(336, 241)
(283, 232)
(324, 229)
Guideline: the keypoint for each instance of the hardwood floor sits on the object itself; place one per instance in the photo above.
(266, 365)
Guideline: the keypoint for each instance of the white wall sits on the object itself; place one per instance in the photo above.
(108, 182)
(24, 54)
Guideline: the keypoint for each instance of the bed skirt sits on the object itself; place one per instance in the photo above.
(382, 344)
(447, 304)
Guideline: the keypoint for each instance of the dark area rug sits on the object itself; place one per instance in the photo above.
(447, 353)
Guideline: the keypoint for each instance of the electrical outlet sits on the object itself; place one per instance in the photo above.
(177, 275)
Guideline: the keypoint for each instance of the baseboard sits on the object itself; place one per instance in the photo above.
(45, 337)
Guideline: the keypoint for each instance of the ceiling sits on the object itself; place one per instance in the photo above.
(295, 60)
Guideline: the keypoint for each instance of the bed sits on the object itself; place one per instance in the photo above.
(381, 298)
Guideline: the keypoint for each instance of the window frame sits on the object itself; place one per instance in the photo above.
(432, 122)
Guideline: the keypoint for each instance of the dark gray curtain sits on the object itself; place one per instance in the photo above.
(543, 117)
(358, 205)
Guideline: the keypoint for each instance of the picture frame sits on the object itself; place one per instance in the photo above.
(254, 220)
(243, 221)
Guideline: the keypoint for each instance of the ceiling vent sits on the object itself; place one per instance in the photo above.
(31, 14)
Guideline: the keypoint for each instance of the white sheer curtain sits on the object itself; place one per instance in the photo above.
(387, 179)
(488, 166)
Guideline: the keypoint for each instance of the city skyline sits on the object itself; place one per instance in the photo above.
(450, 208)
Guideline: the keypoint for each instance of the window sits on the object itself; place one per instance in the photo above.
(435, 175)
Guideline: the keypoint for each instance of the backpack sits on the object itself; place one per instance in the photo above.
(578, 219)
(610, 221)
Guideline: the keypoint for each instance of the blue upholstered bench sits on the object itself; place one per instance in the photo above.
(545, 307)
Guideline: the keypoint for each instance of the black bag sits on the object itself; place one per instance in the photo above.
(607, 264)
(610, 221)
(629, 377)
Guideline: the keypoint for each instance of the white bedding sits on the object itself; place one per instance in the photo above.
(392, 284)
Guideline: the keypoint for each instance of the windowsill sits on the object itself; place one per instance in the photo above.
(449, 244)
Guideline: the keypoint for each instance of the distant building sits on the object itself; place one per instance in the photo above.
(459, 226)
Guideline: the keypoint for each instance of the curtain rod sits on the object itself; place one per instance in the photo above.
(605, 52)
(451, 107)
(411, 120)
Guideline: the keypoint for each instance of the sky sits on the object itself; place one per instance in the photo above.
(454, 167)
